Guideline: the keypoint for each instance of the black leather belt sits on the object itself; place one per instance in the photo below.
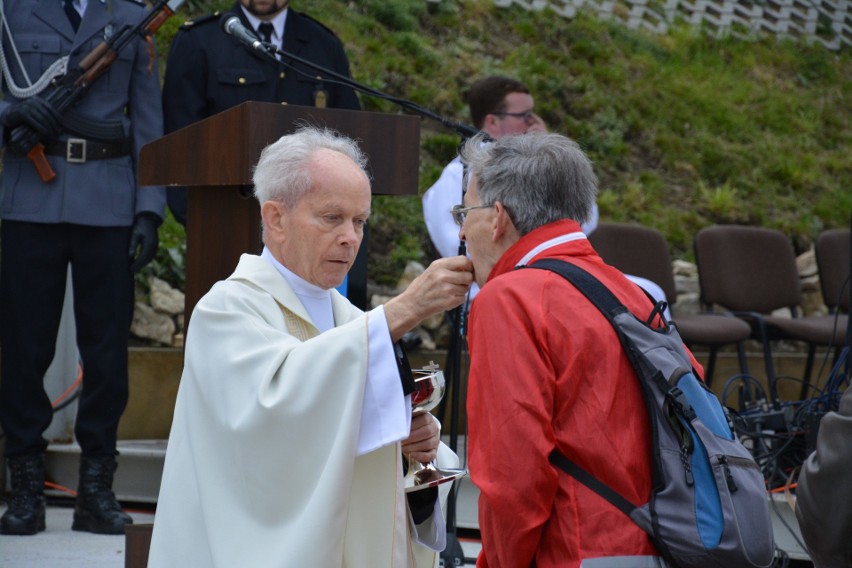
(80, 150)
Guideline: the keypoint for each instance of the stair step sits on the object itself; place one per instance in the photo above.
(137, 479)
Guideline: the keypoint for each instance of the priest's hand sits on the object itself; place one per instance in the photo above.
(422, 442)
(441, 287)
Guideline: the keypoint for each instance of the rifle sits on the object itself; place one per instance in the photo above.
(68, 89)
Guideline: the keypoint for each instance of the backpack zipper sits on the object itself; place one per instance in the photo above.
(729, 479)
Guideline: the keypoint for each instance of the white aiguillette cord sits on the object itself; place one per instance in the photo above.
(57, 68)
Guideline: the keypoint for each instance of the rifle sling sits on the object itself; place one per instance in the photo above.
(77, 123)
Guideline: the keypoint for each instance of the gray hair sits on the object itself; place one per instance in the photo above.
(539, 177)
(282, 172)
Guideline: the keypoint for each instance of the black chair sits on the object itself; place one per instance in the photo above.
(833, 262)
(643, 251)
(752, 272)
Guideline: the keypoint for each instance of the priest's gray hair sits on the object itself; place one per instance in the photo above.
(282, 173)
(539, 177)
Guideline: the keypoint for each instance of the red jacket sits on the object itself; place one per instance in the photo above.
(547, 370)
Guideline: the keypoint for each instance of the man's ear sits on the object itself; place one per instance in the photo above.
(489, 124)
(502, 225)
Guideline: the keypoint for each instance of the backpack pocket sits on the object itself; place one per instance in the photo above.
(747, 526)
(730, 503)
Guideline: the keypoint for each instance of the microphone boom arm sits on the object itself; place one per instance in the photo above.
(464, 130)
(269, 49)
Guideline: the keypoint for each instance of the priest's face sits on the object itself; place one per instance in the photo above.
(319, 237)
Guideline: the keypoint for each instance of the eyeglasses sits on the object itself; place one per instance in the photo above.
(526, 116)
(459, 212)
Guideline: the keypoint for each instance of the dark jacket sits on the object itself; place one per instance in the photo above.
(823, 498)
(209, 71)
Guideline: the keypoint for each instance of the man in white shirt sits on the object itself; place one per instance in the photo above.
(499, 106)
(293, 421)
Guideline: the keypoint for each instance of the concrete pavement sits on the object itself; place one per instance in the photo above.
(60, 547)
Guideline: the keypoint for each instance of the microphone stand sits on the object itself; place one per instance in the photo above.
(452, 555)
(849, 321)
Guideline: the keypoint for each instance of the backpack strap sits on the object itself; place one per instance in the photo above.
(564, 463)
(610, 306)
(590, 286)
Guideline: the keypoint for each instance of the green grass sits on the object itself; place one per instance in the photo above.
(684, 130)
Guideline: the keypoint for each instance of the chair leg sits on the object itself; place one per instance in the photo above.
(769, 364)
(741, 356)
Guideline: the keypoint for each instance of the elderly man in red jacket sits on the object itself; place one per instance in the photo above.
(547, 370)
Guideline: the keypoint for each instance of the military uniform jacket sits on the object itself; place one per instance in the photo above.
(98, 192)
(209, 71)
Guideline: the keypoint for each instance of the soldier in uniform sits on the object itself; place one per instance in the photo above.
(209, 71)
(92, 216)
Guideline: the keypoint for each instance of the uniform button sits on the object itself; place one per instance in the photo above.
(283, 102)
(242, 80)
(282, 75)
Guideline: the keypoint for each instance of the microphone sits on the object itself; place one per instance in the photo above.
(231, 25)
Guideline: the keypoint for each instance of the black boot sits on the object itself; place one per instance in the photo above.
(25, 514)
(96, 509)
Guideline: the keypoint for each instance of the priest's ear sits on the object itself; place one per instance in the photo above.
(272, 213)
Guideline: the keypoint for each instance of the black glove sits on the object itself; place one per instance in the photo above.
(422, 503)
(36, 113)
(143, 237)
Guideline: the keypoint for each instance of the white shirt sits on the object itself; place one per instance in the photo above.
(277, 24)
(79, 5)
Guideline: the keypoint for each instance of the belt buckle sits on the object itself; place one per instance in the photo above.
(75, 151)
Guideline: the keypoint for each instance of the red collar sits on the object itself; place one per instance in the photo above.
(531, 240)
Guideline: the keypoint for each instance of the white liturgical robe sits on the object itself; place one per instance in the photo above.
(263, 467)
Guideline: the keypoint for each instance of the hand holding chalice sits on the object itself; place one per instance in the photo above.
(429, 390)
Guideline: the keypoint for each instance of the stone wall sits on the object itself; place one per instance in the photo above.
(159, 317)
(826, 22)
(435, 332)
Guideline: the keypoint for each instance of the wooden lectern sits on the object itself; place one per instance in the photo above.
(214, 158)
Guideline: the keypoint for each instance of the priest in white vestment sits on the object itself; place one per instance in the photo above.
(292, 424)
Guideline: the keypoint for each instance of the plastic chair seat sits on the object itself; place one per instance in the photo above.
(711, 329)
(829, 331)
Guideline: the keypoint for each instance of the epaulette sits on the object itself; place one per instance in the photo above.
(214, 17)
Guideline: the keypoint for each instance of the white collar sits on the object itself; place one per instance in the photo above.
(549, 244)
(301, 286)
(79, 5)
(277, 23)
(316, 300)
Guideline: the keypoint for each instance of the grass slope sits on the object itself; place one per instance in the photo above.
(685, 130)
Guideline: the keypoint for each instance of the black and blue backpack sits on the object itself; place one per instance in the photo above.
(708, 506)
